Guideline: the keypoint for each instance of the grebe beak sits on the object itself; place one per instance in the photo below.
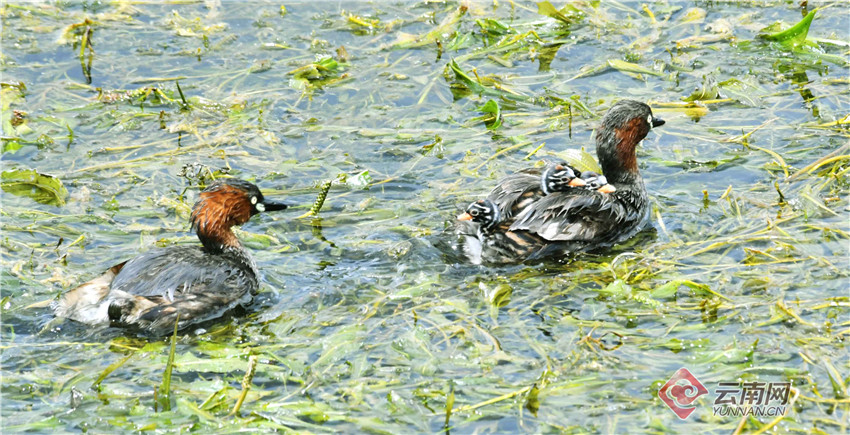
(607, 189)
(271, 205)
(464, 217)
(657, 122)
(577, 182)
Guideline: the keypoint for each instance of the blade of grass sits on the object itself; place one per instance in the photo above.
(447, 27)
(510, 148)
(825, 160)
(164, 393)
(182, 97)
(493, 400)
(96, 385)
(450, 402)
(794, 35)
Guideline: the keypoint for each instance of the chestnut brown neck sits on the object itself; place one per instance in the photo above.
(215, 214)
(615, 148)
(217, 241)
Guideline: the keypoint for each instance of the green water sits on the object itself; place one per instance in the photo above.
(362, 323)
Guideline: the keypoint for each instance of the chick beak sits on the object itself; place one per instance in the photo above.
(657, 122)
(464, 217)
(270, 205)
(577, 182)
(607, 189)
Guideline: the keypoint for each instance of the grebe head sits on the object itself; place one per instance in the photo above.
(622, 128)
(225, 203)
(597, 182)
(483, 212)
(560, 177)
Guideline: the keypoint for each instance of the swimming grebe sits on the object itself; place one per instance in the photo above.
(196, 283)
(575, 220)
(483, 217)
(477, 226)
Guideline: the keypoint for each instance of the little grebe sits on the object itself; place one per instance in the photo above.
(597, 182)
(571, 220)
(192, 283)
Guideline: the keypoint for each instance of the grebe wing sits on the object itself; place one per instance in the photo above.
(512, 191)
(155, 289)
(576, 215)
(178, 271)
(156, 315)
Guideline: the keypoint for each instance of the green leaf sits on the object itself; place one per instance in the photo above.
(322, 69)
(477, 87)
(498, 295)
(580, 159)
(189, 363)
(692, 165)
(646, 299)
(744, 92)
(492, 107)
(461, 76)
(546, 8)
(11, 146)
(43, 188)
(694, 15)
(257, 240)
(628, 67)
(795, 35)
(839, 390)
(492, 27)
(666, 290)
(701, 288)
(450, 402)
(532, 401)
(546, 54)
(617, 288)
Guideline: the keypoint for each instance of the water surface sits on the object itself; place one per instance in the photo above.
(362, 324)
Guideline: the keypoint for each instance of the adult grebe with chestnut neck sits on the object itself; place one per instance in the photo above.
(192, 283)
(576, 219)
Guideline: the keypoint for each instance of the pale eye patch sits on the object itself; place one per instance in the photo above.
(253, 200)
(260, 207)
(649, 121)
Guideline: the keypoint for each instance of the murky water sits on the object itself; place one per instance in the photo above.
(363, 324)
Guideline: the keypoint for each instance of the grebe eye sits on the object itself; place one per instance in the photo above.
(649, 121)
(474, 212)
(253, 200)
